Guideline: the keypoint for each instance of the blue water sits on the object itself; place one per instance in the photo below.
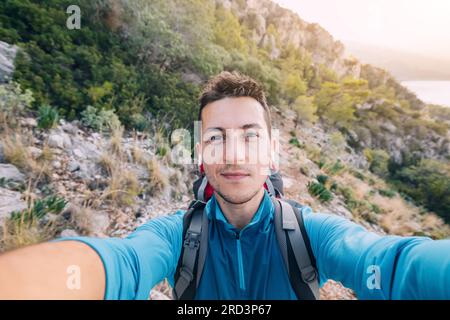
(435, 92)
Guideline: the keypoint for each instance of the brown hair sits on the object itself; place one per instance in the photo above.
(233, 84)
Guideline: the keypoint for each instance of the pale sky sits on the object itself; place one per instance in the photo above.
(418, 26)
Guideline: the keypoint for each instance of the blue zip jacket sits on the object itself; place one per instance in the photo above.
(247, 264)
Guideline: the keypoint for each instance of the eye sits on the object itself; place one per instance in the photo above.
(251, 135)
(215, 138)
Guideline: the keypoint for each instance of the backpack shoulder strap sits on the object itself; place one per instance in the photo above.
(193, 253)
(295, 248)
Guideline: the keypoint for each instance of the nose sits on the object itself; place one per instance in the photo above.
(235, 147)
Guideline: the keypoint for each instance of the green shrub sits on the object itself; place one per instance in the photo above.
(318, 190)
(335, 168)
(139, 122)
(13, 101)
(358, 175)
(322, 179)
(51, 204)
(426, 183)
(100, 120)
(48, 117)
(379, 161)
(294, 141)
(387, 193)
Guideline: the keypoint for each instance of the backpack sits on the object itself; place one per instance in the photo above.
(290, 231)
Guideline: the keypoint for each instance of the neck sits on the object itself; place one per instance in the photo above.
(239, 215)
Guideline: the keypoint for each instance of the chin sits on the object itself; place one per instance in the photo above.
(237, 195)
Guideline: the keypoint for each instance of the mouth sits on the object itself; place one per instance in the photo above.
(235, 175)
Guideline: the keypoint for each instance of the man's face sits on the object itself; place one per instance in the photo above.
(235, 148)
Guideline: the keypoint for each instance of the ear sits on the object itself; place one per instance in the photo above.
(198, 152)
(274, 153)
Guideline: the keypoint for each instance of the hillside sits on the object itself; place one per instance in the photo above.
(85, 142)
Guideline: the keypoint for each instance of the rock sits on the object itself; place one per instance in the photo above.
(99, 223)
(78, 153)
(35, 152)
(287, 183)
(73, 166)
(70, 128)
(28, 122)
(66, 141)
(10, 172)
(98, 183)
(56, 164)
(56, 141)
(86, 171)
(2, 154)
(61, 190)
(7, 55)
(388, 126)
(10, 201)
(68, 233)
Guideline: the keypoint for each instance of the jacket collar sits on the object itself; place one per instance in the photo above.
(261, 219)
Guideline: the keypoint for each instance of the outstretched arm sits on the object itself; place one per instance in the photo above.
(108, 268)
(378, 267)
(65, 270)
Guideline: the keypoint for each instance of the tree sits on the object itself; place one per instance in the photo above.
(305, 110)
(293, 86)
(335, 106)
(228, 32)
(427, 183)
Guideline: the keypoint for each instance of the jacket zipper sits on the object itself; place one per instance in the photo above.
(240, 263)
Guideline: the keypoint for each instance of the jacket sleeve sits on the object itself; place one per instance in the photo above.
(135, 264)
(378, 267)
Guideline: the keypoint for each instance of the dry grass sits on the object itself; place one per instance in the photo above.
(46, 155)
(16, 233)
(107, 163)
(116, 140)
(16, 152)
(360, 188)
(138, 155)
(157, 180)
(397, 216)
(123, 184)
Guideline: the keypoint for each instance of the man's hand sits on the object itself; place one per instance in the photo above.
(53, 270)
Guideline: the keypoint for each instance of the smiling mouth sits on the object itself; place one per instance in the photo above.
(235, 176)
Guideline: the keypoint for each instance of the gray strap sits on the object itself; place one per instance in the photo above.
(191, 245)
(203, 247)
(201, 189)
(290, 224)
(270, 187)
(281, 235)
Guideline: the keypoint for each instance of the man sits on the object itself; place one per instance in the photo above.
(243, 259)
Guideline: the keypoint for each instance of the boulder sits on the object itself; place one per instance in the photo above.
(35, 152)
(2, 154)
(10, 172)
(10, 201)
(73, 166)
(29, 122)
(66, 233)
(56, 141)
(7, 55)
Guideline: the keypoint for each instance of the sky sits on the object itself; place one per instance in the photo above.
(417, 26)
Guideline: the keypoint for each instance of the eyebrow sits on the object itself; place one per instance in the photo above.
(245, 126)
